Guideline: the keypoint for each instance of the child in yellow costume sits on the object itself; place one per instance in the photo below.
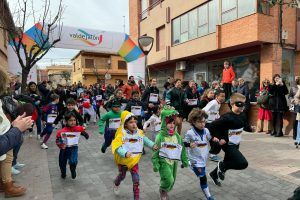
(127, 148)
(171, 150)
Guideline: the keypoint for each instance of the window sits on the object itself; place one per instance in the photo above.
(144, 6)
(176, 30)
(89, 63)
(203, 20)
(193, 32)
(246, 7)
(229, 10)
(184, 28)
(122, 64)
(102, 63)
(263, 7)
(213, 11)
(160, 38)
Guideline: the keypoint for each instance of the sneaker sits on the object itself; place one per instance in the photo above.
(14, 171)
(44, 146)
(116, 190)
(103, 149)
(210, 198)
(63, 176)
(215, 158)
(215, 179)
(19, 165)
(221, 174)
(73, 172)
(38, 137)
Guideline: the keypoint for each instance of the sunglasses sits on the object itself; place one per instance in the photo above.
(240, 104)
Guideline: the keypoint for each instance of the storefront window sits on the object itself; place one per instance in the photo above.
(246, 67)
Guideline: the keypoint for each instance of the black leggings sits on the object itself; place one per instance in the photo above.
(227, 90)
(86, 118)
(277, 122)
(233, 159)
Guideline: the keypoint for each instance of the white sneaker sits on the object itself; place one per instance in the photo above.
(19, 165)
(38, 137)
(44, 146)
(116, 190)
(14, 171)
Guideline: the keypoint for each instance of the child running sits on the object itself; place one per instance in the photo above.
(153, 123)
(112, 123)
(197, 140)
(49, 115)
(67, 140)
(127, 148)
(171, 150)
(228, 129)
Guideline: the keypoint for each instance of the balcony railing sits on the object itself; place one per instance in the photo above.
(153, 3)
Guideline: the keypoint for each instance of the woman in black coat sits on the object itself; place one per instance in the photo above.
(278, 104)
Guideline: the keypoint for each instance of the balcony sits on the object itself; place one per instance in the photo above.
(87, 71)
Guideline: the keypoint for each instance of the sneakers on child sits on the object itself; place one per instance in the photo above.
(73, 171)
(215, 178)
(44, 146)
(19, 165)
(214, 158)
(221, 174)
(63, 176)
(210, 198)
(103, 149)
(14, 171)
(116, 190)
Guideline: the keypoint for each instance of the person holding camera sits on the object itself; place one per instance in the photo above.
(278, 104)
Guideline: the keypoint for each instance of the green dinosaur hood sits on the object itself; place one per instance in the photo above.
(167, 111)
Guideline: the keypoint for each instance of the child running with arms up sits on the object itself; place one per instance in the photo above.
(127, 148)
(197, 140)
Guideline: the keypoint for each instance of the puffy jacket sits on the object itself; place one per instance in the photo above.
(128, 88)
(228, 75)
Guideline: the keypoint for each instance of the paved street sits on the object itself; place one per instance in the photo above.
(273, 173)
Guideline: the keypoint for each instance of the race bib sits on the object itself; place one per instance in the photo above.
(123, 106)
(157, 127)
(133, 144)
(193, 102)
(114, 123)
(153, 98)
(51, 118)
(235, 135)
(73, 93)
(136, 110)
(171, 151)
(71, 138)
(99, 97)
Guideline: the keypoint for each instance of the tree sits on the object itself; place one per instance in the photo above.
(66, 75)
(28, 54)
(290, 3)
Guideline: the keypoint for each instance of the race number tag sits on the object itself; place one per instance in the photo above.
(71, 138)
(123, 106)
(171, 151)
(114, 123)
(235, 135)
(193, 102)
(136, 110)
(153, 98)
(51, 118)
(99, 97)
(133, 144)
(157, 127)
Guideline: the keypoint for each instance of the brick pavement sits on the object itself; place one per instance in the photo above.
(272, 161)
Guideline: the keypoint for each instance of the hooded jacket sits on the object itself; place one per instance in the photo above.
(117, 144)
(128, 88)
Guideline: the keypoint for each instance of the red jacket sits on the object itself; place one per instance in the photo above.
(128, 89)
(59, 140)
(228, 75)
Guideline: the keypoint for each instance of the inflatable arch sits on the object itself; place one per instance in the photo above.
(88, 40)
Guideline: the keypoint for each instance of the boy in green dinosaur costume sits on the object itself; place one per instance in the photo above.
(171, 150)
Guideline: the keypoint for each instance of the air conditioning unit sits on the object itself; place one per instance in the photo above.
(285, 34)
(181, 66)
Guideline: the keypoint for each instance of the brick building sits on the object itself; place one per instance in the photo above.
(193, 38)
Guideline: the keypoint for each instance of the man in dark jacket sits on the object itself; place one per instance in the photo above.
(151, 98)
(244, 90)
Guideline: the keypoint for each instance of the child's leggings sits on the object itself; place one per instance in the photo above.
(298, 131)
(135, 178)
(109, 135)
(47, 131)
(71, 154)
(201, 174)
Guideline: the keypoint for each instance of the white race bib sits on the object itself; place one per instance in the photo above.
(193, 102)
(133, 143)
(157, 127)
(171, 151)
(71, 138)
(235, 135)
(99, 97)
(51, 118)
(153, 98)
(114, 123)
(123, 106)
(136, 110)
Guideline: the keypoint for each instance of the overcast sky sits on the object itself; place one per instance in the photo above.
(95, 14)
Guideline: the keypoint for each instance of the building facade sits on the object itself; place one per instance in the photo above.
(90, 68)
(59, 74)
(42, 75)
(193, 38)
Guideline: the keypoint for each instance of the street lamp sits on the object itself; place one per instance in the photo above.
(146, 44)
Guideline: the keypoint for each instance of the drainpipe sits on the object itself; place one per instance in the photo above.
(280, 25)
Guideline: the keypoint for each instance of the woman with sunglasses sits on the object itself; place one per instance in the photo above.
(278, 104)
(264, 113)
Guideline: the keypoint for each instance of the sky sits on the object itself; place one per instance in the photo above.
(94, 14)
